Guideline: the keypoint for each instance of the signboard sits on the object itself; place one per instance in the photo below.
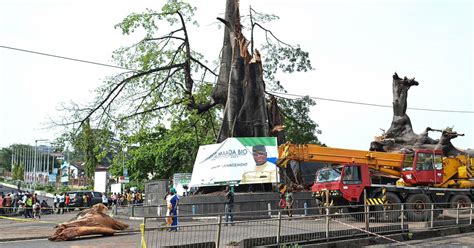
(181, 182)
(124, 179)
(236, 161)
(100, 181)
(116, 188)
(52, 178)
(65, 172)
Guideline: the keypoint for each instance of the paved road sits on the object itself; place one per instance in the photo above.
(124, 240)
(458, 240)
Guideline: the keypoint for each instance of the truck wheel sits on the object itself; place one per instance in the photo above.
(390, 211)
(463, 200)
(418, 207)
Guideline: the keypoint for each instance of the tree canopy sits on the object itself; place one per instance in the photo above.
(173, 100)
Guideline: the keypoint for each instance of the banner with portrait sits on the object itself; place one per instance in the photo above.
(236, 161)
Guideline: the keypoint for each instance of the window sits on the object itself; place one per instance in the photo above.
(328, 175)
(408, 162)
(352, 175)
(424, 162)
(438, 161)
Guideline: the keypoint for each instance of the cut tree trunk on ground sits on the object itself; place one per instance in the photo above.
(88, 222)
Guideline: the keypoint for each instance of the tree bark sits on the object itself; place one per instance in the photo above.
(400, 135)
(241, 77)
(90, 221)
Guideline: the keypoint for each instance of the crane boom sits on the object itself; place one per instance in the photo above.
(388, 163)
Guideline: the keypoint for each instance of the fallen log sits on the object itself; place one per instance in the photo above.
(88, 222)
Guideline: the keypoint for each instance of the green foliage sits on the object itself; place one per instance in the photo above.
(39, 187)
(50, 189)
(63, 189)
(87, 144)
(300, 128)
(287, 59)
(6, 158)
(18, 172)
(163, 141)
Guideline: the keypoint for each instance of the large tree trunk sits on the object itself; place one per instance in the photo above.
(90, 221)
(240, 83)
(400, 135)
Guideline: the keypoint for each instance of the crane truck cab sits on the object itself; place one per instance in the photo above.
(346, 183)
(423, 168)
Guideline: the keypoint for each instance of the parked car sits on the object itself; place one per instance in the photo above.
(77, 197)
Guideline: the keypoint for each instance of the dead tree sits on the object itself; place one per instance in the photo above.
(400, 135)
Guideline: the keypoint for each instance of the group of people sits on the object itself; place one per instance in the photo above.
(24, 203)
(61, 203)
(128, 198)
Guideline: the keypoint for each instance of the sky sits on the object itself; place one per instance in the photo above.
(355, 47)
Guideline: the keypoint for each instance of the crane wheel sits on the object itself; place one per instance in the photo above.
(418, 207)
(390, 210)
(462, 200)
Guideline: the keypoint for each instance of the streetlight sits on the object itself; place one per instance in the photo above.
(35, 162)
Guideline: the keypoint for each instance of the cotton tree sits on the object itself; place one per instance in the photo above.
(171, 90)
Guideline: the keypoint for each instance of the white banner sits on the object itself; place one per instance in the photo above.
(236, 161)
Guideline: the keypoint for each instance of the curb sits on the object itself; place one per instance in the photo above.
(46, 237)
(23, 238)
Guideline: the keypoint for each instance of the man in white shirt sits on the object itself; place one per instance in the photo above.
(265, 171)
(61, 201)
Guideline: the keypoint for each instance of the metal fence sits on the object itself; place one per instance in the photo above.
(276, 227)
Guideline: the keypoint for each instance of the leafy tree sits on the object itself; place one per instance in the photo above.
(6, 159)
(87, 145)
(166, 93)
(18, 172)
(299, 128)
(161, 151)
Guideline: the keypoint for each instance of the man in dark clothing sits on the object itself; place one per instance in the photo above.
(229, 206)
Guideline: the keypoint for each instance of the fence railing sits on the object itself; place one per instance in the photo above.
(276, 227)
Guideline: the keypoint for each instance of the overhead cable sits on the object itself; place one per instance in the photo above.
(271, 92)
(371, 104)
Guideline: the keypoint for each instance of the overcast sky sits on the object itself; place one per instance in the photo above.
(355, 46)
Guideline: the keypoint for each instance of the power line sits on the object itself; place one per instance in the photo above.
(372, 104)
(66, 58)
(272, 92)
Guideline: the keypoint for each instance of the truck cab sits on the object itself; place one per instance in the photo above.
(423, 167)
(347, 182)
(344, 183)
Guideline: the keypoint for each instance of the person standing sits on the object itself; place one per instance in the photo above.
(84, 200)
(289, 202)
(105, 200)
(173, 208)
(55, 203)
(15, 203)
(8, 203)
(1, 204)
(67, 201)
(229, 206)
(61, 203)
(36, 211)
(29, 206)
